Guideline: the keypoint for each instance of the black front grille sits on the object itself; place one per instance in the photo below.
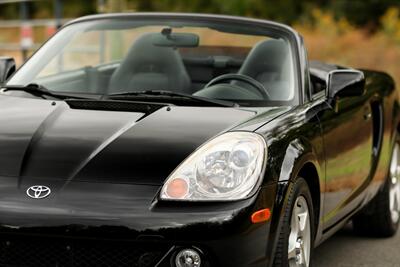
(41, 252)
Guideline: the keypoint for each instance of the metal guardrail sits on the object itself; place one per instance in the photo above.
(33, 23)
(80, 49)
(18, 24)
(16, 47)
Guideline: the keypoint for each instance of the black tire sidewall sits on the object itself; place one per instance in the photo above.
(298, 188)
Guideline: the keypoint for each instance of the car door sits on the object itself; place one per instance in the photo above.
(347, 136)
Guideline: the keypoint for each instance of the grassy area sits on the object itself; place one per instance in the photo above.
(337, 41)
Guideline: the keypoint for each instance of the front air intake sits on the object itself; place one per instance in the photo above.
(69, 252)
(114, 105)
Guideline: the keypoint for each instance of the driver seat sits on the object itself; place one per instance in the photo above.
(269, 63)
(150, 67)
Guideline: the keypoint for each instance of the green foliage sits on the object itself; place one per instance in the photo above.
(9, 11)
(40, 9)
(283, 10)
(362, 12)
(357, 12)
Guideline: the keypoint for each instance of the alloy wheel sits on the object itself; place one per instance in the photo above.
(394, 187)
(299, 246)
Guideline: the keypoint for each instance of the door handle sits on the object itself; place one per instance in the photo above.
(367, 116)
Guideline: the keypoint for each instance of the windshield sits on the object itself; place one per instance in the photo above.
(249, 66)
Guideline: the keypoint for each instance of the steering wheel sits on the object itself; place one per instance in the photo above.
(242, 78)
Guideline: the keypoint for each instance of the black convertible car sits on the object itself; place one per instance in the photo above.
(186, 140)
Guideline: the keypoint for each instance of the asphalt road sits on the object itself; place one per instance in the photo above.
(346, 249)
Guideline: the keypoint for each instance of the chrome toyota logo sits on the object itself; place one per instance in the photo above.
(38, 191)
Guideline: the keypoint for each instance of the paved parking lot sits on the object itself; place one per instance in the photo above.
(346, 249)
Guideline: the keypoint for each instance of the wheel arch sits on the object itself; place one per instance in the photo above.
(309, 172)
(305, 158)
(301, 159)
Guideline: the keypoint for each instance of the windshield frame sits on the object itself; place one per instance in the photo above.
(270, 28)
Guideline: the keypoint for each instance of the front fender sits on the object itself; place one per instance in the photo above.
(298, 153)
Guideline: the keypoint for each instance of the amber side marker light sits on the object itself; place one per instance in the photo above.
(261, 216)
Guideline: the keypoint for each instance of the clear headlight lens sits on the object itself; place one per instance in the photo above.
(225, 168)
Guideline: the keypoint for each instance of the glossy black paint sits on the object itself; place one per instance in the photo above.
(87, 158)
(342, 83)
(48, 139)
(105, 168)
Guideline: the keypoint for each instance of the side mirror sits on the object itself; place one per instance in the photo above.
(7, 68)
(342, 83)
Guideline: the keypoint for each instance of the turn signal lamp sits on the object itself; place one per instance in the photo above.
(261, 216)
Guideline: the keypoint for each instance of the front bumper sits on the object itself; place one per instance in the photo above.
(85, 224)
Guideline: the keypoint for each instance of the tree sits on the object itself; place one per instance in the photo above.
(362, 12)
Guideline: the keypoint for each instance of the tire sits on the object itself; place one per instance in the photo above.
(299, 197)
(382, 216)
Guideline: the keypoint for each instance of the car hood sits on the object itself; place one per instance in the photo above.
(50, 140)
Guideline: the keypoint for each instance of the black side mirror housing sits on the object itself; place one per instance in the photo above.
(7, 68)
(345, 83)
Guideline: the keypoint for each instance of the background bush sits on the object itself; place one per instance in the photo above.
(357, 33)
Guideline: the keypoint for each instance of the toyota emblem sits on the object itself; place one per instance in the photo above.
(38, 191)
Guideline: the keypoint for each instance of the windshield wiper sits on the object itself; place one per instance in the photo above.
(164, 93)
(40, 90)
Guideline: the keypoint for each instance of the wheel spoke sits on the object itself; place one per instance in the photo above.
(303, 219)
(293, 263)
(394, 190)
(392, 198)
(397, 197)
(303, 257)
(292, 252)
(295, 221)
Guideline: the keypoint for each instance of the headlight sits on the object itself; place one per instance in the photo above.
(226, 168)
